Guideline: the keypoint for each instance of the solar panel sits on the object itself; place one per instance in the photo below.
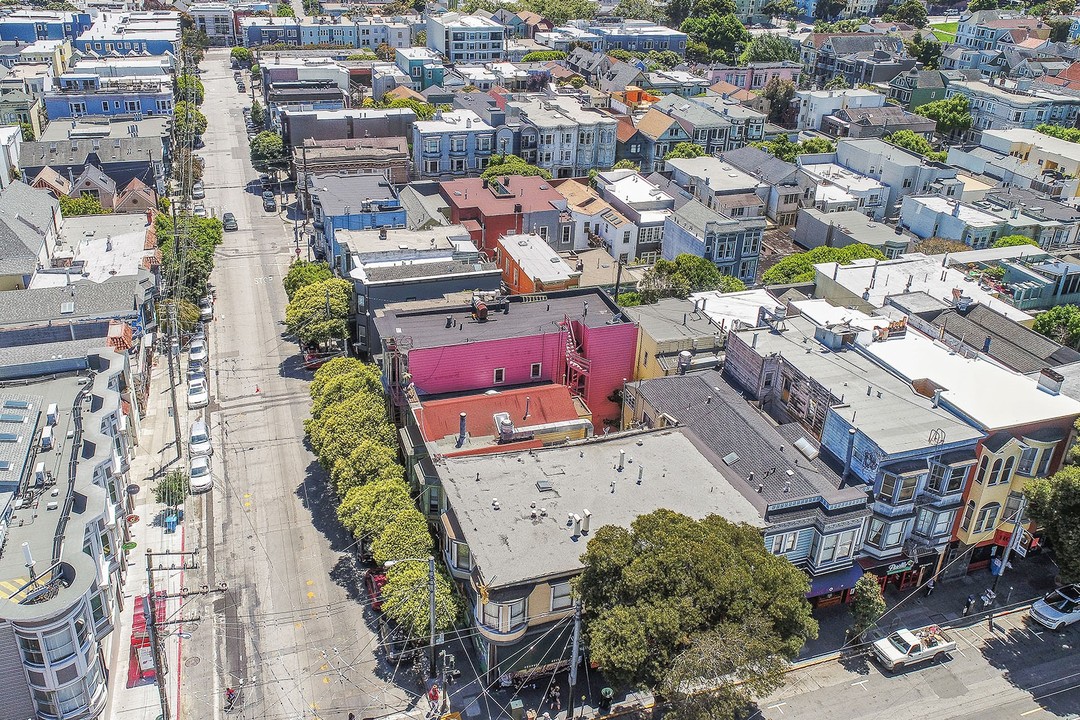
(12, 418)
(17, 404)
(8, 437)
(5, 465)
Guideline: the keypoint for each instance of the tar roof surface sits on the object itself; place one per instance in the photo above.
(509, 547)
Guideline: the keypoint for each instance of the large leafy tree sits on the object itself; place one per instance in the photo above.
(779, 93)
(651, 590)
(1060, 132)
(544, 56)
(406, 535)
(319, 312)
(1055, 505)
(867, 604)
(370, 460)
(343, 426)
(188, 120)
(1014, 241)
(769, 47)
(506, 165)
(303, 273)
(187, 251)
(241, 55)
(172, 489)
(723, 35)
(685, 150)
(366, 510)
(364, 380)
(189, 88)
(977, 5)
(684, 275)
(1061, 324)
(912, 12)
(268, 151)
(85, 204)
(915, 143)
(800, 266)
(785, 150)
(332, 370)
(405, 599)
(926, 50)
(952, 115)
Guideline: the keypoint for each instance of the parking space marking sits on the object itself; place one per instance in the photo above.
(778, 706)
(862, 684)
(1031, 712)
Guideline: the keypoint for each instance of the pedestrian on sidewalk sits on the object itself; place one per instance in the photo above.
(969, 605)
(554, 697)
(929, 587)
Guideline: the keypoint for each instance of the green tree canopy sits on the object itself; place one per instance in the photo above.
(939, 246)
(926, 50)
(365, 379)
(303, 273)
(867, 604)
(684, 275)
(284, 9)
(799, 267)
(977, 5)
(85, 204)
(330, 371)
(189, 88)
(723, 35)
(343, 426)
(640, 10)
(268, 151)
(916, 143)
(1013, 241)
(187, 315)
(1059, 132)
(912, 12)
(838, 82)
(172, 489)
(779, 94)
(780, 8)
(544, 56)
(405, 599)
(685, 150)
(187, 120)
(318, 313)
(241, 55)
(367, 509)
(952, 115)
(642, 613)
(509, 165)
(258, 114)
(783, 149)
(406, 536)
(1055, 504)
(370, 460)
(769, 47)
(626, 165)
(560, 12)
(1061, 324)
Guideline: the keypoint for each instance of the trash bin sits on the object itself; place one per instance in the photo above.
(170, 523)
(517, 708)
(604, 704)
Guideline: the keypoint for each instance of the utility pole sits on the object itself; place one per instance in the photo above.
(431, 601)
(1014, 540)
(574, 659)
(173, 320)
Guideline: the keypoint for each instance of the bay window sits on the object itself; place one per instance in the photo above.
(945, 479)
(988, 516)
(59, 645)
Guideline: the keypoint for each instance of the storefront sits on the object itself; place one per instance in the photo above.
(903, 573)
(833, 588)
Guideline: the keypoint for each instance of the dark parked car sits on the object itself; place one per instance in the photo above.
(269, 205)
(228, 221)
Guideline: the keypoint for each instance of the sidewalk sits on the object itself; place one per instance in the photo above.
(154, 456)
(1028, 578)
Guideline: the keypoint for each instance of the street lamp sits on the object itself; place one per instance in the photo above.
(431, 602)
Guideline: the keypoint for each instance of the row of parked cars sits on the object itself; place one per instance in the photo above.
(200, 448)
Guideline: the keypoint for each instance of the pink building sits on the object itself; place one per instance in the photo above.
(577, 338)
(755, 75)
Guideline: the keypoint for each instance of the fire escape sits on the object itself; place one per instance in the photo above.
(577, 365)
(398, 380)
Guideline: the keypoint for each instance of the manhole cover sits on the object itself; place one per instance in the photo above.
(192, 661)
(133, 489)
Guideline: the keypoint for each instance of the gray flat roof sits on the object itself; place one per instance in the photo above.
(527, 316)
(509, 547)
(673, 319)
(895, 417)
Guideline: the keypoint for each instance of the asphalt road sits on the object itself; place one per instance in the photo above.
(290, 627)
(1018, 671)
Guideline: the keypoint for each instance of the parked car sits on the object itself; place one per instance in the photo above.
(1059, 608)
(196, 375)
(198, 396)
(199, 210)
(197, 350)
(228, 222)
(908, 647)
(269, 205)
(198, 190)
(373, 583)
(206, 309)
(199, 439)
(395, 644)
(201, 474)
(196, 366)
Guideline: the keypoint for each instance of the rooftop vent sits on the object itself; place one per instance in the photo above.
(544, 485)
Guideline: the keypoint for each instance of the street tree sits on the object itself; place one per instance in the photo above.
(867, 605)
(1055, 505)
(405, 599)
(331, 370)
(723, 35)
(187, 316)
(799, 267)
(649, 590)
(977, 5)
(1014, 241)
(916, 143)
(769, 47)
(342, 427)
(268, 151)
(939, 246)
(371, 459)
(318, 313)
(189, 88)
(367, 509)
(626, 165)
(952, 115)
(188, 121)
(780, 8)
(509, 165)
(241, 55)
(188, 264)
(406, 535)
(258, 113)
(303, 273)
(172, 489)
(685, 150)
(365, 380)
(1061, 324)
(779, 93)
(912, 12)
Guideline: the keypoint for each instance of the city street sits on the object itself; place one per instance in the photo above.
(1018, 670)
(290, 629)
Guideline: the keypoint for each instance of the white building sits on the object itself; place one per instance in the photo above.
(816, 104)
(561, 136)
(834, 188)
(466, 38)
(646, 206)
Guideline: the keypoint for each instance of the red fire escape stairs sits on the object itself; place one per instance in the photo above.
(577, 365)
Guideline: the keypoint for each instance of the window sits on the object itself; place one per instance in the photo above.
(1012, 508)
(995, 472)
(888, 487)
(945, 479)
(499, 376)
(1006, 474)
(560, 596)
(59, 645)
(987, 517)
(431, 145)
(31, 650)
(1044, 462)
(565, 232)
(462, 557)
(431, 167)
(131, 106)
(981, 476)
(836, 546)
(457, 144)
(877, 532)
(535, 369)
(784, 543)
(97, 608)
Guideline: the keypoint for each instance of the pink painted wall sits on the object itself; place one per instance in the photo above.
(611, 349)
(454, 368)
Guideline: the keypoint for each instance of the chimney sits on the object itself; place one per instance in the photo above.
(1050, 381)
(449, 321)
(937, 396)
(577, 524)
(850, 452)
(956, 210)
(622, 459)
(382, 233)
(461, 431)
(585, 518)
(702, 304)
(527, 403)
(753, 342)
(585, 308)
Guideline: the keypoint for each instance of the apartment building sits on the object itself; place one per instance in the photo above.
(562, 136)
(815, 105)
(720, 186)
(646, 206)
(784, 194)
(466, 38)
(28, 26)
(639, 36)
(733, 245)
(995, 107)
(152, 32)
(490, 209)
(74, 95)
(455, 142)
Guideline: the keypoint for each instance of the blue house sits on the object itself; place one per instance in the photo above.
(351, 202)
(423, 66)
(154, 32)
(28, 26)
(732, 245)
(640, 36)
(77, 95)
(259, 31)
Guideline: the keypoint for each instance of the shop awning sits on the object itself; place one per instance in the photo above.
(538, 652)
(834, 581)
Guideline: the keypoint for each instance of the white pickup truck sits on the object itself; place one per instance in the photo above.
(907, 647)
